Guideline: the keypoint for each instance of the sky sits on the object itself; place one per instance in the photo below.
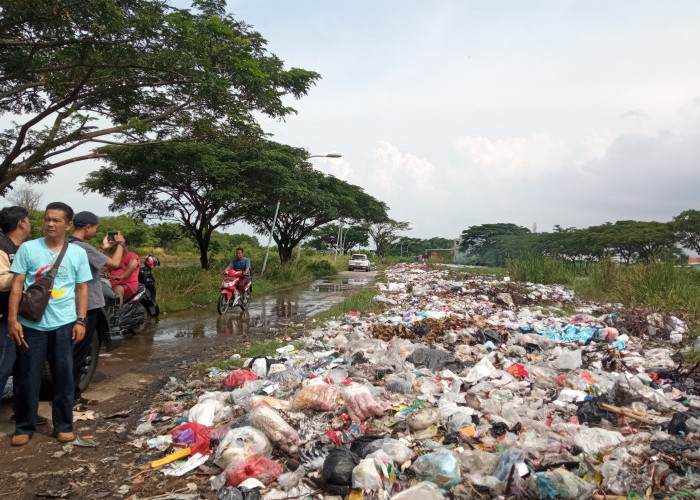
(459, 113)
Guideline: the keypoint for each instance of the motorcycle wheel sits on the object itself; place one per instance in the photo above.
(153, 310)
(222, 304)
(88, 369)
(245, 301)
(142, 316)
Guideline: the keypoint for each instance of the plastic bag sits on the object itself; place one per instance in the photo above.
(509, 458)
(194, 434)
(440, 468)
(374, 474)
(275, 428)
(419, 420)
(360, 403)
(399, 386)
(278, 404)
(592, 439)
(287, 378)
(238, 378)
(322, 397)
(242, 443)
(207, 412)
(337, 470)
(261, 468)
(433, 359)
(421, 491)
(399, 453)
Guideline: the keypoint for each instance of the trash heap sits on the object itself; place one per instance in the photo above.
(459, 390)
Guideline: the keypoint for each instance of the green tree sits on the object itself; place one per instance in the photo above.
(488, 242)
(686, 226)
(134, 228)
(74, 74)
(308, 199)
(168, 234)
(197, 185)
(384, 234)
(326, 237)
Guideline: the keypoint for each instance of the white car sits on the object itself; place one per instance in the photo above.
(358, 261)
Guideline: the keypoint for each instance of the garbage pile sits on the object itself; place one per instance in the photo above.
(456, 391)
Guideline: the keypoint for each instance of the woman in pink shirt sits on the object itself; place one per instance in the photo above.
(125, 279)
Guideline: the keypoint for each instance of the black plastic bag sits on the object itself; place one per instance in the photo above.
(337, 470)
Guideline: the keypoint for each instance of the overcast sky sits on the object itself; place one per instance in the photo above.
(462, 112)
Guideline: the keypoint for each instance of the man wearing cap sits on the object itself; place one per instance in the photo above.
(85, 224)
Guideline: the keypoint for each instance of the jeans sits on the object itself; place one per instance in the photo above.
(8, 354)
(57, 347)
(82, 349)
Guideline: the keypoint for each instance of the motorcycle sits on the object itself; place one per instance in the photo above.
(136, 308)
(230, 296)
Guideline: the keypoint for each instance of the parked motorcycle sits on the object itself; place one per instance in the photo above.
(230, 296)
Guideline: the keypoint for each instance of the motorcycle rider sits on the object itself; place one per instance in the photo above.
(240, 263)
(85, 224)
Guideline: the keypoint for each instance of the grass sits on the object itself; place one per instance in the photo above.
(360, 301)
(248, 350)
(538, 268)
(480, 270)
(182, 286)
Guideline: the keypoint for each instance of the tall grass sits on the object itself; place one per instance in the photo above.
(538, 268)
(659, 285)
(360, 301)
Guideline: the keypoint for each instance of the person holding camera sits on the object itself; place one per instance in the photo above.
(85, 224)
(125, 280)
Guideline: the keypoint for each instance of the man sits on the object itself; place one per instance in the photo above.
(125, 280)
(85, 224)
(14, 223)
(240, 263)
(58, 329)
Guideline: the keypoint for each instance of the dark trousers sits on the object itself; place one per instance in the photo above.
(82, 349)
(56, 346)
(242, 283)
(8, 354)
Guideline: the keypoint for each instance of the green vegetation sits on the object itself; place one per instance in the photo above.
(499, 271)
(360, 301)
(248, 350)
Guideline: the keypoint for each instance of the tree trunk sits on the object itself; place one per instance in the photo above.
(285, 252)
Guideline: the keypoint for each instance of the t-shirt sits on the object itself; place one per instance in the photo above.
(241, 265)
(133, 279)
(8, 249)
(34, 259)
(97, 261)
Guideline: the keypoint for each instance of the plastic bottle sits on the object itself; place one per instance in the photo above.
(510, 457)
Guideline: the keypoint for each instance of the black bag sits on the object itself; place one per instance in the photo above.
(36, 297)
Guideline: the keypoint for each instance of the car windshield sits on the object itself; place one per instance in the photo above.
(359, 257)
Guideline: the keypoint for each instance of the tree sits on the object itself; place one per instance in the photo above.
(326, 237)
(686, 226)
(483, 240)
(73, 74)
(308, 199)
(198, 185)
(26, 197)
(383, 234)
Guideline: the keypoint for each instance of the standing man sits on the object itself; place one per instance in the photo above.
(240, 263)
(58, 329)
(14, 223)
(85, 224)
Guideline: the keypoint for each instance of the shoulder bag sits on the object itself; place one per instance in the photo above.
(36, 297)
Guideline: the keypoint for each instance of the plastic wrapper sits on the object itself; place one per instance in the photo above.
(421, 491)
(238, 378)
(242, 443)
(419, 420)
(269, 421)
(360, 403)
(193, 434)
(261, 468)
(337, 470)
(440, 468)
(321, 397)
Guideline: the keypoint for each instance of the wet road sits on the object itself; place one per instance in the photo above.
(187, 335)
(200, 332)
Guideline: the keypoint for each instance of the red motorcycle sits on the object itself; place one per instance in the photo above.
(230, 296)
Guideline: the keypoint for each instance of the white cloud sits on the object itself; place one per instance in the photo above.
(394, 170)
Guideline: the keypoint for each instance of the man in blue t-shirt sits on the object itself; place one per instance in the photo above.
(242, 264)
(53, 336)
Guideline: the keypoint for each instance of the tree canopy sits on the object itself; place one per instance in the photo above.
(73, 74)
(326, 237)
(384, 233)
(686, 226)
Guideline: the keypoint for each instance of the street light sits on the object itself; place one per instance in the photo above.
(277, 209)
(329, 155)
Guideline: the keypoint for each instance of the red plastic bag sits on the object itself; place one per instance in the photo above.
(194, 434)
(261, 468)
(517, 370)
(239, 377)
